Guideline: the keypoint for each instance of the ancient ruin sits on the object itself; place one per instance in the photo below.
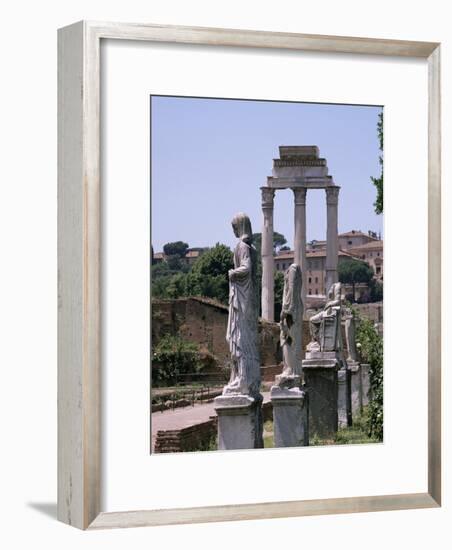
(299, 168)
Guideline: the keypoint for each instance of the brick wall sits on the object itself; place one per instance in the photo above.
(204, 322)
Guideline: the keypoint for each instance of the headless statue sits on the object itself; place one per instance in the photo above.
(291, 328)
(325, 326)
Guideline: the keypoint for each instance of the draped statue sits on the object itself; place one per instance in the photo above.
(291, 326)
(242, 326)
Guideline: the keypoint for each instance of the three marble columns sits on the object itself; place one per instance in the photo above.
(268, 262)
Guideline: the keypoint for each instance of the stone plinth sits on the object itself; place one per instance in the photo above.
(344, 398)
(355, 388)
(320, 371)
(365, 383)
(290, 417)
(240, 422)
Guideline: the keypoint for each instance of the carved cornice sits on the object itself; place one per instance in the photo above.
(299, 195)
(268, 194)
(332, 195)
(299, 161)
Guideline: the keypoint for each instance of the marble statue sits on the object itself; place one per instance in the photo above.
(291, 327)
(325, 326)
(242, 326)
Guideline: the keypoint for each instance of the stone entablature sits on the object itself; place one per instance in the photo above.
(289, 181)
(299, 166)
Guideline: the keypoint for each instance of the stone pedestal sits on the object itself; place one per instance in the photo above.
(321, 379)
(344, 402)
(356, 388)
(240, 422)
(290, 417)
(365, 383)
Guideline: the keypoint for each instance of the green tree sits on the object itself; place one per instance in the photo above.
(178, 248)
(376, 291)
(160, 287)
(278, 241)
(160, 270)
(378, 182)
(177, 286)
(354, 271)
(174, 262)
(209, 275)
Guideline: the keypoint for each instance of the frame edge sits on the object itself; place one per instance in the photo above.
(79, 270)
(434, 275)
(78, 276)
(269, 510)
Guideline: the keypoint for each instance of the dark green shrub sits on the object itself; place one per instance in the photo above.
(173, 357)
(371, 349)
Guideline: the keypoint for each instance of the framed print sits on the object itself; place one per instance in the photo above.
(225, 251)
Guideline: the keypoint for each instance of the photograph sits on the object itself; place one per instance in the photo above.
(267, 274)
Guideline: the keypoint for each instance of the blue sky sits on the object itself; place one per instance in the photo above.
(211, 156)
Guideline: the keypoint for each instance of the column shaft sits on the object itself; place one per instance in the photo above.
(300, 236)
(332, 241)
(268, 262)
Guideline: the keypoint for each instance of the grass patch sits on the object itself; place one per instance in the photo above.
(355, 435)
(268, 435)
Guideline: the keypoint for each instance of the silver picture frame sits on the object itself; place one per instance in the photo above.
(79, 247)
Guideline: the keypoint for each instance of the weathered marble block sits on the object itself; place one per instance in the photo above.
(240, 424)
(356, 388)
(344, 400)
(365, 383)
(290, 417)
(321, 379)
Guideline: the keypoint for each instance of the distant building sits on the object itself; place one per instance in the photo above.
(158, 257)
(372, 253)
(355, 238)
(353, 244)
(315, 245)
(315, 277)
(190, 257)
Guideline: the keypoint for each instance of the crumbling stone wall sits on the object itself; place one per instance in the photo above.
(204, 321)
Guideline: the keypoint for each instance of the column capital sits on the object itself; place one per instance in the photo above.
(299, 195)
(332, 195)
(268, 195)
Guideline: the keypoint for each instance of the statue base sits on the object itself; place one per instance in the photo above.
(356, 387)
(320, 371)
(365, 383)
(240, 423)
(344, 398)
(290, 416)
(288, 381)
